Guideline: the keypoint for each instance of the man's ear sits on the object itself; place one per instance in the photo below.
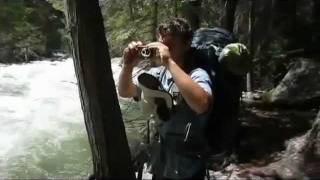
(187, 45)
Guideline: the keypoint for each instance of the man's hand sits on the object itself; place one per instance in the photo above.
(130, 58)
(130, 54)
(163, 50)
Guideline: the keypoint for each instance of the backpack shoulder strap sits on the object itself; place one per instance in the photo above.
(162, 73)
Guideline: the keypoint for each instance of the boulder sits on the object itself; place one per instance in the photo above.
(300, 87)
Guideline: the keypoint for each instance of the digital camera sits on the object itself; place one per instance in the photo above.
(151, 54)
(146, 52)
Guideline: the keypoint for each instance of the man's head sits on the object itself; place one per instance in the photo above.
(176, 34)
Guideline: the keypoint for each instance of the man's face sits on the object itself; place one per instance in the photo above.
(166, 40)
(171, 41)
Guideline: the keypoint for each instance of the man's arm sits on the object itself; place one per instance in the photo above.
(195, 96)
(126, 87)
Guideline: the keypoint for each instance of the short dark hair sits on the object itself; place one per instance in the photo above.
(176, 27)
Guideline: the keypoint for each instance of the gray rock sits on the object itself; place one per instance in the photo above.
(313, 141)
(300, 86)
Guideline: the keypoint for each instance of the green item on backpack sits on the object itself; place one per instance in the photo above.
(236, 58)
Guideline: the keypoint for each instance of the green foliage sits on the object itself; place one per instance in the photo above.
(128, 20)
(35, 25)
(210, 13)
(30, 28)
(10, 15)
(28, 36)
(57, 4)
(123, 26)
(19, 31)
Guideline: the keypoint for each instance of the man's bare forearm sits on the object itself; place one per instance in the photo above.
(126, 87)
(197, 98)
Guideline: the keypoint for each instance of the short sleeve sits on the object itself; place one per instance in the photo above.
(201, 77)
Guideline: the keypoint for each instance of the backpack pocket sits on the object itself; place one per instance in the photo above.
(189, 141)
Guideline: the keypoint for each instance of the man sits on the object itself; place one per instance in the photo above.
(181, 136)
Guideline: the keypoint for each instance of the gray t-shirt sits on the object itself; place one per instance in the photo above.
(181, 137)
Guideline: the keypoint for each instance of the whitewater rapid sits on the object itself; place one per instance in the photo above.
(42, 130)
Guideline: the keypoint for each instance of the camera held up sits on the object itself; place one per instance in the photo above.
(147, 52)
(151, 54)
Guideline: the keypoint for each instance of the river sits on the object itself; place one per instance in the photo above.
(42, 130)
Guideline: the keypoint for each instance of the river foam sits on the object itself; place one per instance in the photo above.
(42, 130)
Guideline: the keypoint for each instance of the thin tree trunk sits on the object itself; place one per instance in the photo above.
(227, 18)
(106, 132)
(155, 20)
(251, 41)
(316, 12)
(316, 22)
(192, 13)
(270, 22)
(131, 2)
(291, 25)
(175, 8)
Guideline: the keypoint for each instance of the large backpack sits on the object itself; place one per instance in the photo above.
(222, 126)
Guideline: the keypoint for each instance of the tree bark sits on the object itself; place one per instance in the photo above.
(192, 13)
(130, 4)
(291, 24)
(265, 26)
(106, 132)
(316, 22)
(251, 41)
(155, 20)
(175, 8)
(227, 18)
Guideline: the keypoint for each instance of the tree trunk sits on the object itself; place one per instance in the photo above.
(106, 132)
(316, 22)
(192, 13)
(251, 41)
(264, 27)
(175, 8)
(291, 25)
(155, 20)
(227, 18)
(131, 14)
